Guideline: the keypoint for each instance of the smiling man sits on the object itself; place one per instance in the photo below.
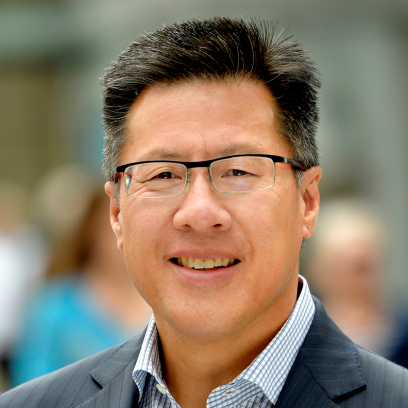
(212, 170)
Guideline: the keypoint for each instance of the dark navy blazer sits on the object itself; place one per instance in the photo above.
(330, 371)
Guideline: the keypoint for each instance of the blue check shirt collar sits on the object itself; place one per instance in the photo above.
(268, 372)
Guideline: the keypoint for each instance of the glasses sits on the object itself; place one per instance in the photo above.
(231, 174)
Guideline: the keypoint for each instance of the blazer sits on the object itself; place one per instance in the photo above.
(329, 371)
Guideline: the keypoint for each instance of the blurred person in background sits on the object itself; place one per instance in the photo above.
(22, 259)
(346, 265)
(88, 302)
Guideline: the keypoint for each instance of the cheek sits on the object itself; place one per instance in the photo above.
(277, 225)
(145, 229)
(138, 238)
(277, 241)
(143, 222)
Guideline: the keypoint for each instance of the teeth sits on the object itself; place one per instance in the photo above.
(204, 264)
(209, 263)
(218, 262)
(198, 264)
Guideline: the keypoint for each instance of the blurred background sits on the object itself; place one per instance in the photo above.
(52, 54)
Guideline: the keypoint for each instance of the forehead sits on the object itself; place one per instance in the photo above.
(201, 120)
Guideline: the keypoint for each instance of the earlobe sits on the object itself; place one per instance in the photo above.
(115, 215)
(117, 229)
(311, 199)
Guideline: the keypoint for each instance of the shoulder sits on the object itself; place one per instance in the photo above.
(380, 372)
(64, 387)
(386, 383)
(350, 375)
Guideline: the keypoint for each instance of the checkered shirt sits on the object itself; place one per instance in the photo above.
(258, 386)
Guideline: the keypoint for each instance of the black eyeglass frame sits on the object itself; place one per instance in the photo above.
(207, 163)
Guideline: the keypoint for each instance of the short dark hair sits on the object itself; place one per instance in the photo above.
(216, 49)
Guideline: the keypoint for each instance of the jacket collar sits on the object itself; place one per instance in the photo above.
(326, 367)
(123, 358)
(114, 375)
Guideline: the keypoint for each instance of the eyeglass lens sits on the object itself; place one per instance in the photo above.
(237, 174)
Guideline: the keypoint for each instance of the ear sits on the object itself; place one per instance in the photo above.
(311, 199)
(115, 215)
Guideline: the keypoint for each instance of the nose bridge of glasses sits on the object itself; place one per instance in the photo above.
(189, 178)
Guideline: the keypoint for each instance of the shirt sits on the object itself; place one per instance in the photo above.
(258, 386)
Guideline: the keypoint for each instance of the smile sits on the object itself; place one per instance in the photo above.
(207, 264)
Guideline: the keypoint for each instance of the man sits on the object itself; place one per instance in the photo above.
(213, 175)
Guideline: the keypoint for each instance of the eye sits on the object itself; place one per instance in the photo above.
(236, 173)
(165, 175)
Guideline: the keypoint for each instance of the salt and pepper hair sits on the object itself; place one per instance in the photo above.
(216, 49)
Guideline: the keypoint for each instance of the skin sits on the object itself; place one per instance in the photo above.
(202, 317)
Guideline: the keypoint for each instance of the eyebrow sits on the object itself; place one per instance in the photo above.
(244, 148)
(160, 153)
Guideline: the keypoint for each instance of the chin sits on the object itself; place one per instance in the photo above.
(206, 321)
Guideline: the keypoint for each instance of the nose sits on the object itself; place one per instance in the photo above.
(201, 209)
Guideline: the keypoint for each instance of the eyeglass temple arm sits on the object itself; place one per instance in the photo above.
(294, 163)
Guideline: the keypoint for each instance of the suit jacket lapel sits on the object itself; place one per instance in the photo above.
(301, 390)
(114, 375)
(326, 367)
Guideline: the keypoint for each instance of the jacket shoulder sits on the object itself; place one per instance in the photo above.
(386, 383)
(349, 375)
(377, 368)
(64, 387)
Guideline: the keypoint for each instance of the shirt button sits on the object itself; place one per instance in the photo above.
(160, 388)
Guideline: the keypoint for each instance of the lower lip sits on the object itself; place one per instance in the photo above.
(192, 276)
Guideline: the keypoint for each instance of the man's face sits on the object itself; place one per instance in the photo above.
(263, 230)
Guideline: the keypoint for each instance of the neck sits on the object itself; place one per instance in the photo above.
(194, 365)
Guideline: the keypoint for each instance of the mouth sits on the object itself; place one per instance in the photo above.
(205, 264)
